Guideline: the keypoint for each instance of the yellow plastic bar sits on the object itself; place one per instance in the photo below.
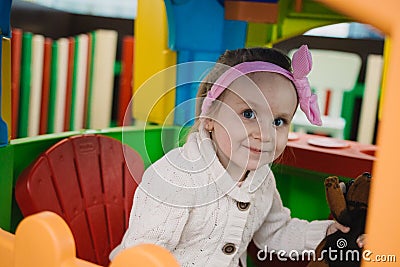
(151, 55)
(383, 232)
(386, 53)
(45, 240)
(6, 84)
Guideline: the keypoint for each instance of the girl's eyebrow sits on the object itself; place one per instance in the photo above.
(243, 102)
(246, 102)
(283, 115)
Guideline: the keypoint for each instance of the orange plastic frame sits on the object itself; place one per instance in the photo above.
(383, 232)
(44, 239)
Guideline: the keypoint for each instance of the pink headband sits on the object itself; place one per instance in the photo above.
(301, 64)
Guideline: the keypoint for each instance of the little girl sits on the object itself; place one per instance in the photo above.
(207, 200)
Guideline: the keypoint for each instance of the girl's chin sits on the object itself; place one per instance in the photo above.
(251, 167)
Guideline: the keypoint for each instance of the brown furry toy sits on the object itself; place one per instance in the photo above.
(348, 204)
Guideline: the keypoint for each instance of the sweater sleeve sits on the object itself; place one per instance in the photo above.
(281, 232)
(152, 221)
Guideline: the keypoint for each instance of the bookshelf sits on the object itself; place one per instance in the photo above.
(66, 34)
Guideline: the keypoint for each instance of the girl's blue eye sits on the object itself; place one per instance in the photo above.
(249, 114)
(279, 122)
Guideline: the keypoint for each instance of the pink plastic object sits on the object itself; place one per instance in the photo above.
(84, 179)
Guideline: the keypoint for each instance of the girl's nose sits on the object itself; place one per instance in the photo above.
(263, 132)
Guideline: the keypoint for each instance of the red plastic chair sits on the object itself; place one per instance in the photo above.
(87, 181)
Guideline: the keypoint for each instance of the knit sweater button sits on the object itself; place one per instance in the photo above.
(243, 206)
(229, 248)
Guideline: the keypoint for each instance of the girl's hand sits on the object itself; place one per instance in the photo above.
(361, 241)
(337, 226)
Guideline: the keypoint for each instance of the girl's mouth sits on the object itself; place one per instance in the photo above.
(255, 150)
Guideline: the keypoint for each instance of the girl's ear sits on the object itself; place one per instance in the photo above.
(209, 125)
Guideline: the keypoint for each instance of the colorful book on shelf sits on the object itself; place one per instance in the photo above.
(53, 88)
(25, 84)
(44, 107)
(369, 106)
(89, 80)
(16, 49)
(104, 45)
(126, 81)
(70, 77)
(79, 82)
(61, 84)
(35, 94)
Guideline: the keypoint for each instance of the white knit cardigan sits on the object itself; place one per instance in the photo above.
(188, 204)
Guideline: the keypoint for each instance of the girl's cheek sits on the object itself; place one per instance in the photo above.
(224, 141)
(280, 147)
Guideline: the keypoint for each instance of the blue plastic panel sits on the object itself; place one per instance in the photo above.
(200, 26)
(198, 32)
(5, 9)
(188, 80)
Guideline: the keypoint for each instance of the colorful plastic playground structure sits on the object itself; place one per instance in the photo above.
(165, 37)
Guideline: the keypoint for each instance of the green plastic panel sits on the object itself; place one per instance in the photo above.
(291, 23)
(348, 108)
(6, 186)
(302, 191)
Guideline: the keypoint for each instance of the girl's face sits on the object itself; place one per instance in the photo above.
(251, 126)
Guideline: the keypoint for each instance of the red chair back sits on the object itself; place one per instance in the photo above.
(89, 180)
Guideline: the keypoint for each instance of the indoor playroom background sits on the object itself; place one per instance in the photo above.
(69, 72)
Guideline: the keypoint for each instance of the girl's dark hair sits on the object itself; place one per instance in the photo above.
(233, 57)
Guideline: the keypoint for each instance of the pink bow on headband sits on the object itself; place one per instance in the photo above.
(301, 64)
